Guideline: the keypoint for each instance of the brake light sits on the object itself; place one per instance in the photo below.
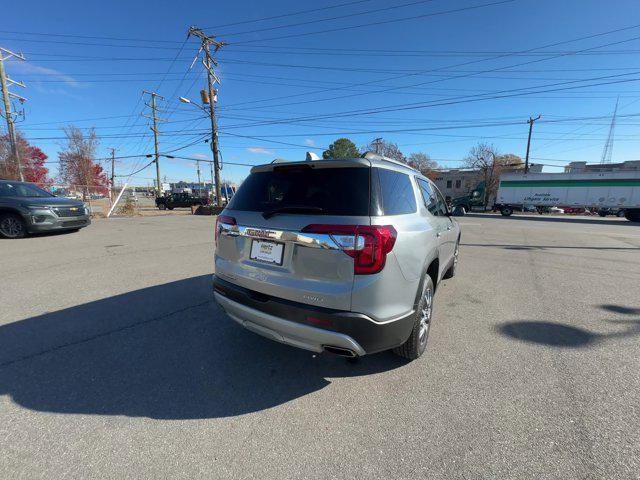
(368, 245)
(226, 219)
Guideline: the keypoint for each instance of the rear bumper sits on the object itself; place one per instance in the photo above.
(309, 327)
(56, 224)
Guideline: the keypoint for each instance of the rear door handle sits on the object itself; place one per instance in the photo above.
(438, 234)
(449, 227)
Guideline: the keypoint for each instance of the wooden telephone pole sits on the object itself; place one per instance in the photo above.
(526, 161)
(6, 98)
(209, 63)
(154, 117)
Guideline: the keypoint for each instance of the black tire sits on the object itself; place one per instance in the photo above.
(162, 206)
(12, 226)
(460, 211)
(632, 215)
(451, 271)
(602, 213)
(416, 344)
(170, 208)
(506, 211)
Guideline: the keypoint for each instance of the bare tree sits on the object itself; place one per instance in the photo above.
(510, 161)
(422, 162)
(483, 157)
(386, 149)
(77, 161)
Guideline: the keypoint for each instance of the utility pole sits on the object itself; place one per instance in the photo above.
(526, 161)
(113, 171)
(209, 63)
(199, 181)
(212, 177)
(154, 117)
(6, 97)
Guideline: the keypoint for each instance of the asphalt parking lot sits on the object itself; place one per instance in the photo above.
(116, 363)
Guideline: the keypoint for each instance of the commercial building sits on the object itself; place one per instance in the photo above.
(583, 167)
(457, 182)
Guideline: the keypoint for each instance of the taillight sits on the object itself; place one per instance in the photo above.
(368, 245)
(226, 219)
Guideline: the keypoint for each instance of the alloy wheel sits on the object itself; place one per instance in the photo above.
(11, 227)
(425, 316)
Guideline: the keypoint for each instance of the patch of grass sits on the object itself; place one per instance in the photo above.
(128, 208)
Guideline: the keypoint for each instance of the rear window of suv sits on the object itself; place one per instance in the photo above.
(395, 192)
(336, 191)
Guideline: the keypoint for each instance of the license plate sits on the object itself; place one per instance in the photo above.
(268, 252)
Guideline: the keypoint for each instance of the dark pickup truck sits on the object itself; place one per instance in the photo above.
(177, 200)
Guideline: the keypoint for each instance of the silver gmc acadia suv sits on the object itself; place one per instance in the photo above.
(336, 255)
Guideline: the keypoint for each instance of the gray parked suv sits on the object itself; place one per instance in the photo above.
(26, 208)
(336, 255)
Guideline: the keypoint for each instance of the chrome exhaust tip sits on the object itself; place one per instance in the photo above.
(343, 352)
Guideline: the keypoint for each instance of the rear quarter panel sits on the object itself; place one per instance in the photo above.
(392, 292)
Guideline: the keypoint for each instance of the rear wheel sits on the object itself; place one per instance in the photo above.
(460, 211)
(506, 211)
(632, 215)
(12, 226)
(416, 344)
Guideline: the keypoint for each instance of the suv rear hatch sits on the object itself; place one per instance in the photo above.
(294, 231)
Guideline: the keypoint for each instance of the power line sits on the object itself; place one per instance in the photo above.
(290, 14)
(328, 19)
(452, 101)
(65, 35)
(455, 77)
(196, 159)
(381, 22)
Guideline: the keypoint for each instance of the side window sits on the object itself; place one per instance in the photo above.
(397, 192)
(442, 205)
(432, 198)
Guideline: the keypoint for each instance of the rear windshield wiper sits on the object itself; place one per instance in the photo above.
(292, 209)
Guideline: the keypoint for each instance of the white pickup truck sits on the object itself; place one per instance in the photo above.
(610, 190)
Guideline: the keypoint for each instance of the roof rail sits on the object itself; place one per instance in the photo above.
(375, 156)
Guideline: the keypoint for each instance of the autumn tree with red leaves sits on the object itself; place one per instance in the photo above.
(32, 159)
(78, 166)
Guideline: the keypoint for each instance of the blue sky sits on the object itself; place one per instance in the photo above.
(416, 77)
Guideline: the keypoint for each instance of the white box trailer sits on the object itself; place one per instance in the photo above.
(607, 190)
